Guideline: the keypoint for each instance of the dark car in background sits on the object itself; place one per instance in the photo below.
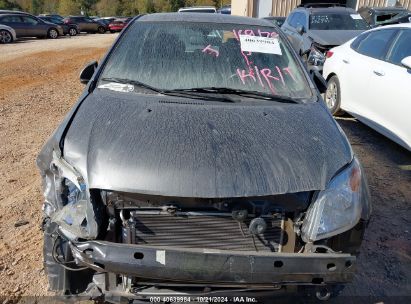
(200, 161)
(27, 25)
(279, 21)
(54, 16)
(225, 10)
(68, 28)
(376, 16)
(117, 25)
(86, 24)
(313, 30)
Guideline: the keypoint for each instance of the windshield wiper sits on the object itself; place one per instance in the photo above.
(133, 82)
(245, 93)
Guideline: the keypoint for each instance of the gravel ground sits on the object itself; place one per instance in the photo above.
(38, 85)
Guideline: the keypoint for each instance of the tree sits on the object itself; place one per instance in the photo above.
(68, 7)
(150, 8)
(176, 4)
(8, 5)
(37, 6)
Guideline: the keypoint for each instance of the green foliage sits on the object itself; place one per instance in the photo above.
(9, 5)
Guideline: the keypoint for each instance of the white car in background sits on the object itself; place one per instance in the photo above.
(198, 9)
(7, 34)
(370, 78)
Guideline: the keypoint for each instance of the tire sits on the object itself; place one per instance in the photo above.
(332, 96)
(72, 31)
(101, 30)
(52, 33)
(5, 37)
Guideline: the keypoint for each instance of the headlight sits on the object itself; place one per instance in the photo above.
(337, 208)
(315, 57)
(75, 213)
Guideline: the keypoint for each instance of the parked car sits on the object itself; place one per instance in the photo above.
(368, 77)
(226, 10)
(279, 21)
(376, 16)
(68, 28)
(86, 24)
(54, 16)
(2, 12)
(117, 25)
(31, 26)
(105, 21)
(198, 9)
(7, 34)
(200, 168)
(314, 30)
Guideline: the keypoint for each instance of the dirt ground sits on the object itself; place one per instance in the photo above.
(38, 85)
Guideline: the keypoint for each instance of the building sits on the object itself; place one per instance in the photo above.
(264, 8)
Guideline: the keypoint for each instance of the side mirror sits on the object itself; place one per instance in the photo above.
(88, 72)
(300, 29)
(319, 81)
(406, 62)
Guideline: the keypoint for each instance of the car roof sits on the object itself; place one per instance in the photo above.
(386, 9)
(331, 9)
(401, 25)
(204, 18)
(13, 12)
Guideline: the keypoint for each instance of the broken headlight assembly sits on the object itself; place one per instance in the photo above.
(336, 209)
(315, 56)
(72, 211)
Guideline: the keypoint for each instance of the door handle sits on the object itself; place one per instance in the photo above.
(379, 72)
(346, 61)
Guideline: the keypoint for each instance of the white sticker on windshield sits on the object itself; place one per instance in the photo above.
(356, 16)
(118, 87)
(256, 44)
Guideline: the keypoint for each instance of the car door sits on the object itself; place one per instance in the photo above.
(359, 68)
(83, 25)
(33, 26)
(15, 22)
(294, 36)
(91, 25)
(287, 27)
(390, 90)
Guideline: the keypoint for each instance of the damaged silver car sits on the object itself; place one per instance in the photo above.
(200, 161)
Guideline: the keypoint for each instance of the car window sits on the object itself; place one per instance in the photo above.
(401, 47)
(290, 20)
(327, 21)
(10, 19)
(207, 55)
(301, 19)
(357, 41)
(298, 19)
(376, 43)
(29, 20)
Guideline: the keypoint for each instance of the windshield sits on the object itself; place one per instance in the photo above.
(337, 22)
(176, 56)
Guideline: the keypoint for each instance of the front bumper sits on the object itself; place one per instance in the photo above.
(215, 266)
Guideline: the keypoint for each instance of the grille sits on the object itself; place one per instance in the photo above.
(206, 231)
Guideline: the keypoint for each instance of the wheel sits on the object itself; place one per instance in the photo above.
(5, 37)
(73, 31)
(52, 33)
(101, 30)
(333, 96)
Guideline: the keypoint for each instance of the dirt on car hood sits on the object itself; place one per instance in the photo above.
(192, 148)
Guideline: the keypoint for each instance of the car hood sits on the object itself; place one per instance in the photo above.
(174, 146)
(331, 37)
